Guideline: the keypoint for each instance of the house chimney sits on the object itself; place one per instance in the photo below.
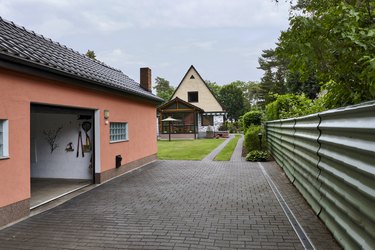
(145, 79)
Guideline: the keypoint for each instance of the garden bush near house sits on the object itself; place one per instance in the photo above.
(232, 127)
(251, 140)
(251, 118)
(257, 155)
(235, 127)
(223, 127)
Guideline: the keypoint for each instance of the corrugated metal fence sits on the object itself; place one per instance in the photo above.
(330, 158)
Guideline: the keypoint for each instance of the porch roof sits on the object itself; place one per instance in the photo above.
(178, 104)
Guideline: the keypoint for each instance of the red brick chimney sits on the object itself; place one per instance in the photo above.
(145, 79)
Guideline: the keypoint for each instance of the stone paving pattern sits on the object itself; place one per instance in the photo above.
(237, 153)
(176, 205)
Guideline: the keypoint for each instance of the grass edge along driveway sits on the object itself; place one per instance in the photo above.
(187, 149)
(226, 153)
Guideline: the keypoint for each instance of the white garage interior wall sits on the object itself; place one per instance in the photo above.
(60, 163)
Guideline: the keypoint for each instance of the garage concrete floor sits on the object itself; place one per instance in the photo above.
(44, 190)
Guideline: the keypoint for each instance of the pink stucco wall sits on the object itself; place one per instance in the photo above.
(18, 91)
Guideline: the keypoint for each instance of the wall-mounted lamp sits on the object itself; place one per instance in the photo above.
(106, 116)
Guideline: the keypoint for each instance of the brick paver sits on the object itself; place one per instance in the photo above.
(165, 205)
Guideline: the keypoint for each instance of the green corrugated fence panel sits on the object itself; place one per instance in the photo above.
(273, 139)
(344, 215)
(311, 194)
(336, 229)
(348, 172)
(306, 158)
(287, 145)
(330, 158)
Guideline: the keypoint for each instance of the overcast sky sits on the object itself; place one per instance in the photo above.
(221, 38)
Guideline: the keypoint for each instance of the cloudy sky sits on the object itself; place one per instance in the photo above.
(221, 38)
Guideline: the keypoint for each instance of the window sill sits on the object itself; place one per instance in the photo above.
(113, 142)
(4, 157)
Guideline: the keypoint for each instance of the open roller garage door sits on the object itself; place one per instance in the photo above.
(61, 151)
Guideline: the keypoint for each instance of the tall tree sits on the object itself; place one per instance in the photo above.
(273, 80)
(247, 94)
(252, 93)
(214, 87)
(278, 79)
(231, 97)
(163, 88)
(91, 54)
(334, 42)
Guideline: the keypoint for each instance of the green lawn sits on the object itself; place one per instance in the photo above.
(186, 149)
(227, 151)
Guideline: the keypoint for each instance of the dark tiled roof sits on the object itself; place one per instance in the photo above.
(30, 48)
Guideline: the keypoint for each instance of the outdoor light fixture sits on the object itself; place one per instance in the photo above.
(106, 114)
(260, 135)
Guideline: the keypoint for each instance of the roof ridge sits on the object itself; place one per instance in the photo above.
(56, 43)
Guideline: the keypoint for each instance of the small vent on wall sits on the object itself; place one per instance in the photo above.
(192, 77)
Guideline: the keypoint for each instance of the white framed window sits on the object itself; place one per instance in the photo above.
(4, 135)
(118, 131)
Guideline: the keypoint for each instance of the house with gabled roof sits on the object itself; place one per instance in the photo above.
(195, 106)
(66, 120)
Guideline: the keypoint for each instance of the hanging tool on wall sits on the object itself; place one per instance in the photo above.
(86, 126)
(69, 147)
(80, 141)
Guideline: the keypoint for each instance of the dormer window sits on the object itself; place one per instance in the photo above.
(193, 96)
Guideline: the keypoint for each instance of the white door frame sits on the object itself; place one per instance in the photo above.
(97, 141)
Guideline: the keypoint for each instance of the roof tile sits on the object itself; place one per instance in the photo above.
(29, 47)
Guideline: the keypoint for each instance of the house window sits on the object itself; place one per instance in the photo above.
(207, 120)
(4, 139)
(193, 96)
(192, 77)
(118, 131)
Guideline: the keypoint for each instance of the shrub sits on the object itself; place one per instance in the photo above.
(287, 106)
(257, 155)
(251, 140)
(232, 127)
(236, 126)
(223, 126)
(251, 118)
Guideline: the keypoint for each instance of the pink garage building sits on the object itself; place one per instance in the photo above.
(65, 120)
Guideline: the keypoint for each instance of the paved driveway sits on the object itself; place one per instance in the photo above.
(167, 204)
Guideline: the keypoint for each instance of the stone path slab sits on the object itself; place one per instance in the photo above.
(237, 153)
(169, 205)
(211, 156)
